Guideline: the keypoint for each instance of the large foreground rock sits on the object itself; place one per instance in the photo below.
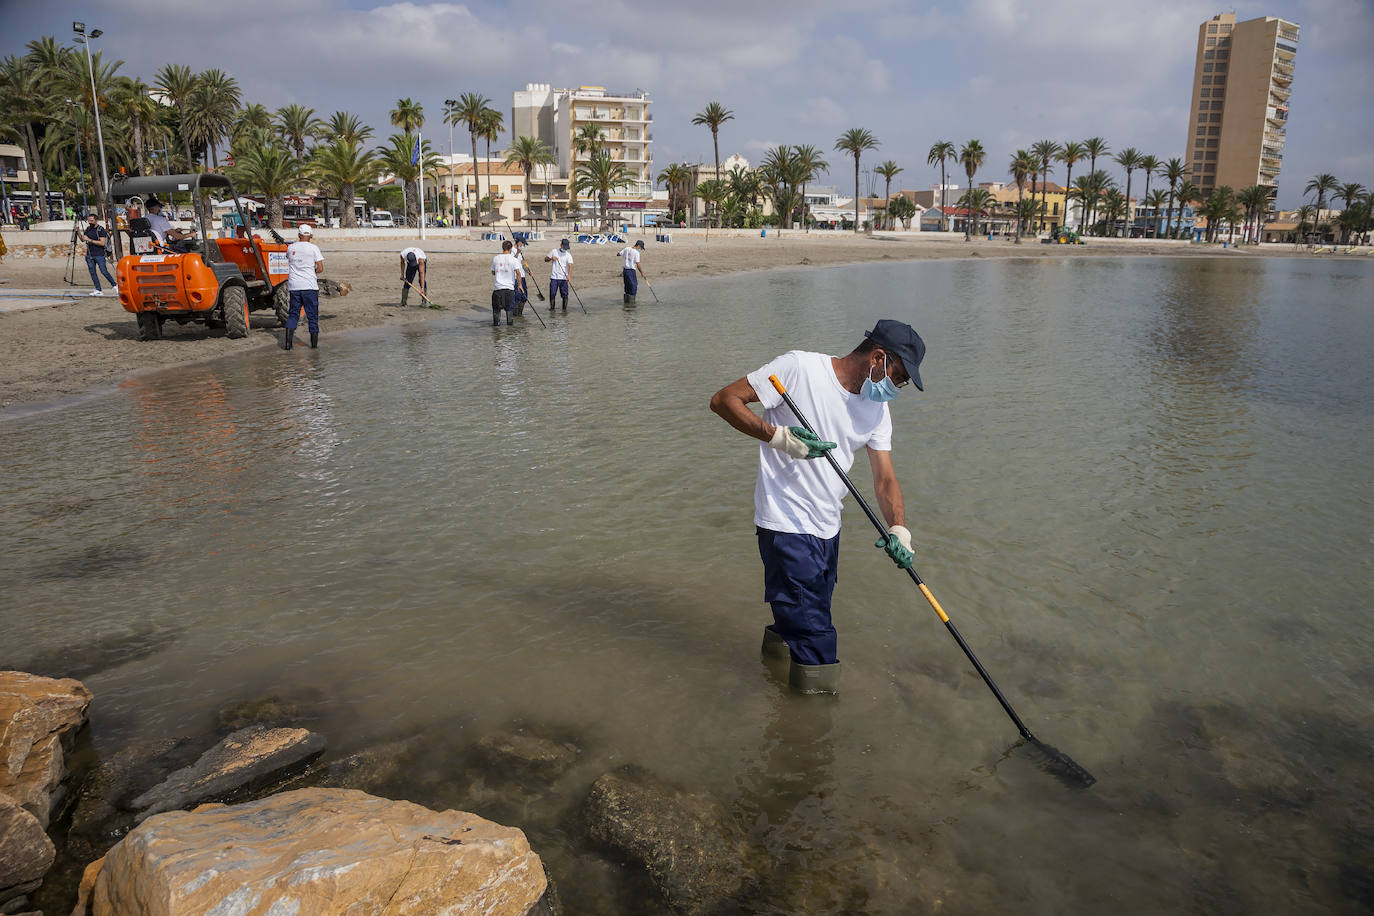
(247, 758)
(316, 851)
(39, 718)
(26, 853)
(688, 843)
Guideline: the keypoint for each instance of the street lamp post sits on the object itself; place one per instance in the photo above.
(81, 35)
(449, 105)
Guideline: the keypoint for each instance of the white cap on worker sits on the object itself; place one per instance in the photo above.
(304, 229)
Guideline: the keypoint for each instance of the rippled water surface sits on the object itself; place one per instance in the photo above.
(1142, 488)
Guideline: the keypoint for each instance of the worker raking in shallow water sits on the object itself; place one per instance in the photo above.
(797, 500)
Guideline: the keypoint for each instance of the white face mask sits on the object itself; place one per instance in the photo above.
(880, 391)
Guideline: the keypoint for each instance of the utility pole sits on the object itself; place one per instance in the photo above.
(81, 35)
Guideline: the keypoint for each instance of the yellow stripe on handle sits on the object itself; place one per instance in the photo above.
(933, 603)
(777, 384)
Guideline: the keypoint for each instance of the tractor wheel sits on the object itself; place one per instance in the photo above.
(281, 303)
(149, 328)
(235, 311)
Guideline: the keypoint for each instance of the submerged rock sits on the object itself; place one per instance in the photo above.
(691, 847)
(247, 758)
(26, 853)
(528, 753)
(316, 851)
(39, 718)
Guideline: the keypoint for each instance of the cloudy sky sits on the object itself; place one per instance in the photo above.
(1007, 72)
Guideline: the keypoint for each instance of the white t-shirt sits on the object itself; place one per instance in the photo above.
(558, 267)
(159, 224)
(301, 258)
(419, 255)
(630, 254)
(506, 269)
(803, 496)
(519, 256)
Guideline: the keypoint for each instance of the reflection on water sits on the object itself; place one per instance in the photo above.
(1140, 488)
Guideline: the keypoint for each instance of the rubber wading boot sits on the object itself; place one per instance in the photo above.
(286, 340)
(405, 294)
(814, 678)
(774, 646)
(314, 339)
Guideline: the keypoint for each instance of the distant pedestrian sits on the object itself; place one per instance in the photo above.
(504, 271)
(97, 249)
(560, 274)
(522, 283)
(414, 265)
(629, 266)
(305, 263)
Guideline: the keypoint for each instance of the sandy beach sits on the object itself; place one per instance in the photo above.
(50, 354)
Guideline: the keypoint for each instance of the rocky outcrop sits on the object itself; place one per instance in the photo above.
(26, 853)
(246, 759)
(39, 718)
(691, 847)
(316, 851)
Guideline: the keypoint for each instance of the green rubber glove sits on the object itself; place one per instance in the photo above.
(799, 442)
(898, 546)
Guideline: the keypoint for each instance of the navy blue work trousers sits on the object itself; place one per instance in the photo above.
(799, 572)
(631, 282)
(556, 287)
(309, 299)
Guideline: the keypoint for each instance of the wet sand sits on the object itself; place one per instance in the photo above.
(48, 355)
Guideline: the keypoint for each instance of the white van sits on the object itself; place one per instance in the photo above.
(381, 219)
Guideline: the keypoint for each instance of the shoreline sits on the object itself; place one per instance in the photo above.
(55, 356)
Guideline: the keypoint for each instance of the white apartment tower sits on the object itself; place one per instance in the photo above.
(557, 116)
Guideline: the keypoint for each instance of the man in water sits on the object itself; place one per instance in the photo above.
(797, 500)
(504, 271)
(629, 264)
(414, 264)
(560, 273)
(304, 263)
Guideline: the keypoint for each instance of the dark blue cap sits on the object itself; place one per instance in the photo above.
(901, 340)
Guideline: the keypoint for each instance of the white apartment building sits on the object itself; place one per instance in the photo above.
(557, 116)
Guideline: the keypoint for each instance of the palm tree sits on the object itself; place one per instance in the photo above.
(940, 151)
(490, 130)
(270, 170)
(408, 115)
(140, 111)
(783, 172)
(1187, 193)
(1095, 147)
(1045, 151)
(675, 179)
(24, 107)
(1350, 193)
(1220, 207)
(211, 108)
(1155, 201)
(602, 174)
(712, 193)
(1113, 206)
(1174, 172)
(1128, 159)
(344, 125)
(888, 170)
(1022, 164)
(528, 152)
(1322, 185)
(251, 119)
(971, 156)
(974, 201)
(1305, 212)
(1254, 200)
(1149, 165)
(343, 167)
(296, 122)
(469, 111)
(854, 141)
(176, 83)
(1069, 153)
(903, 209)
(712, 116)
(810, 164)
(396, 157)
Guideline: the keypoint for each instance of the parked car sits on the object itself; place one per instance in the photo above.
(381, 219)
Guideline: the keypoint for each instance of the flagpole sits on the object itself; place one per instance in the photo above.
(419, 150)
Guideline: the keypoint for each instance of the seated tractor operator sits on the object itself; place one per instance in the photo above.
(162, 227)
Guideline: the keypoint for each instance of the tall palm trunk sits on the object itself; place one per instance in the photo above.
(944, 202)
(529, 218)
(37, 182)
(856, 192)
(715, 147)
(1068, 183)
(1129, 221)
(489, 191)
(1020, 191)
(476, 179)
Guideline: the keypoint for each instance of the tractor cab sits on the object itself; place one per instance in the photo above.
(214, 281)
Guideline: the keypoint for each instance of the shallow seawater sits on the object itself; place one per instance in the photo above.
(1140, 487)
